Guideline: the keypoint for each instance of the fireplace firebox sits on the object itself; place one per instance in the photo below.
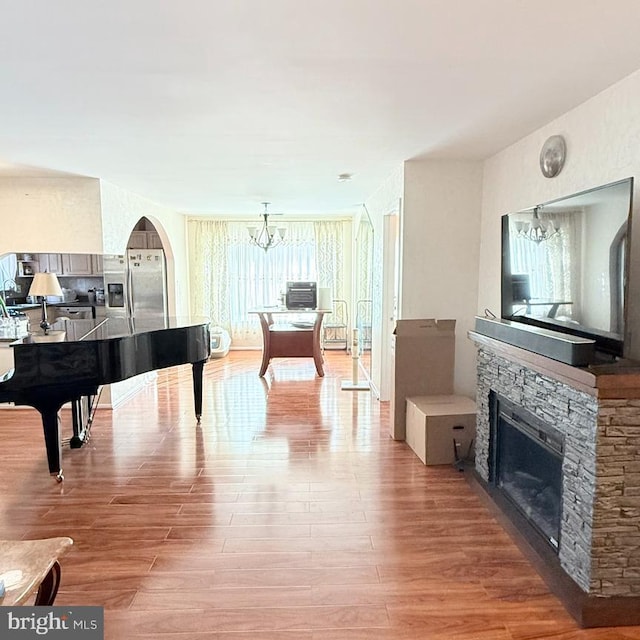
(526, 466)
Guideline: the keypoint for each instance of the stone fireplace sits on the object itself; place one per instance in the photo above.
(582, 426)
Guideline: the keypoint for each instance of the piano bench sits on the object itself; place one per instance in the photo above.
(29, 567)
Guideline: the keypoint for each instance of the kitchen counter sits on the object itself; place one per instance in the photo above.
(77, 308)
(110, 328)
(34, 305)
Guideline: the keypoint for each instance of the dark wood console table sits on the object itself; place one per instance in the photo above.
(291, 340)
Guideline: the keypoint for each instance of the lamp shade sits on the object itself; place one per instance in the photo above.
(45, 284)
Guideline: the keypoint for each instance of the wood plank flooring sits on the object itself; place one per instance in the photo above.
(289, 513)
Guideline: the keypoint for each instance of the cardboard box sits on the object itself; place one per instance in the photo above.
(438, 427)
(423, 355)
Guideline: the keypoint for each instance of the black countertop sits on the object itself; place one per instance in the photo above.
(37, 305)
(108, 328)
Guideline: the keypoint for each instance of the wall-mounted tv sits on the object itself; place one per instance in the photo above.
(565, 264)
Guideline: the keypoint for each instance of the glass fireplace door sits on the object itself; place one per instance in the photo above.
(529, 471)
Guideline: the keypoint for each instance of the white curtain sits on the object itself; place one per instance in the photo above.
(230, 276)
(364, 283)
(330, 256)
(208, 240)
(8, 269)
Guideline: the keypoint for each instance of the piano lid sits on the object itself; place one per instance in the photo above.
(97, 352)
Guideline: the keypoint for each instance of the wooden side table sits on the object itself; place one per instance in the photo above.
(31, 566)
(294, 340)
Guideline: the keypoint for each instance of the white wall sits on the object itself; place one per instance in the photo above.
(440, 244)
(50, 215)
(603, 145)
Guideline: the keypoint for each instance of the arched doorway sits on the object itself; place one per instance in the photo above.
(148, 269)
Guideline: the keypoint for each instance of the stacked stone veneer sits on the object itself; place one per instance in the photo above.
(600, 529)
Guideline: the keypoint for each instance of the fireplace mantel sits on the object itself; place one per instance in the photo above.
(597, 408)
(619, 380)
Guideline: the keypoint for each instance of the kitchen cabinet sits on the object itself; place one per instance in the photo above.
(73, 313)
(76, 264)
(144, 240)
(153, 240)
(51, 262)
(137, 240)
(97, 264)
(70, 264)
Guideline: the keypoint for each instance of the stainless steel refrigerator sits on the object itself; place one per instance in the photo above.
(135, 285)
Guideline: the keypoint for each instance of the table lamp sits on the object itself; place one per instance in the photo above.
(45, 284)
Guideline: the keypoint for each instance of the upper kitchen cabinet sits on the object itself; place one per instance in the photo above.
(97, 264)
(70, 264)
(51, 262)
(144, 236)
(154, 241)
(144, 240)
(76, 264)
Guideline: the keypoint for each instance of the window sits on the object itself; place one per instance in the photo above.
(230, 276)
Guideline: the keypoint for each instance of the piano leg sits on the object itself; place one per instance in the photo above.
(82, 418)
(198, 369)
(48, 402)
(49, 413)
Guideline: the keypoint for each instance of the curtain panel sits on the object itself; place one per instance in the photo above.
(544, 262)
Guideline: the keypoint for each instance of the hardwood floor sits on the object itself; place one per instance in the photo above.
(289, 513)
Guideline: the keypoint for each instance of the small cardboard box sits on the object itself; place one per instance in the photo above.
(423, 355)
(441, 427)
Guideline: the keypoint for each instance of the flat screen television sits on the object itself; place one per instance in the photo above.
(565, 265)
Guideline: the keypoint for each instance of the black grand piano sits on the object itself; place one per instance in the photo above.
(67, 366)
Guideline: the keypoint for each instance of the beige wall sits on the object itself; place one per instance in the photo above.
(440, 240)
(50, 215)
(439, 250)
(603, 145)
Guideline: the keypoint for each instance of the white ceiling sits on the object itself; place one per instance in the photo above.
(214, 106)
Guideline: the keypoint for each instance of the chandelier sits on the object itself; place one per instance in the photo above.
(537, 231)
(267, 236)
